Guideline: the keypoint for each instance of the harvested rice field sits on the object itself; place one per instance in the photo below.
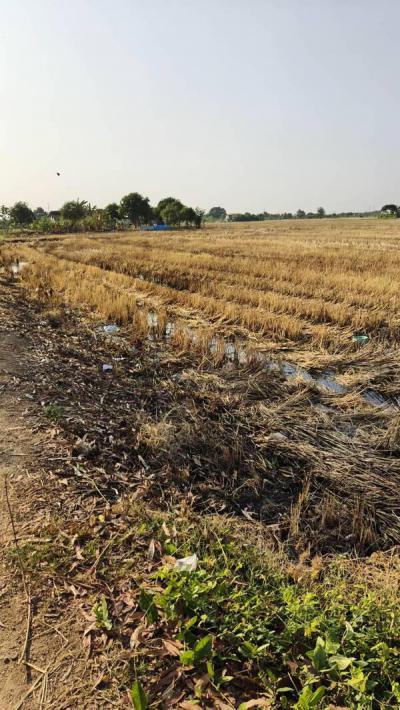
(233, 392)
(271, 315)
(297, 292)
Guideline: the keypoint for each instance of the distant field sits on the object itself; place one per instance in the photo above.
(303, 287)
(307, 284)
(293, 293)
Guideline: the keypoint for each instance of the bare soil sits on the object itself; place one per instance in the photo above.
(38, 645)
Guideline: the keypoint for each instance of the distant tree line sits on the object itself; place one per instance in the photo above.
(135, 210)
(300, 214)
(79, 215)
(219, 214)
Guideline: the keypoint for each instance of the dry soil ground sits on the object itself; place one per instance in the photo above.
(37, 645)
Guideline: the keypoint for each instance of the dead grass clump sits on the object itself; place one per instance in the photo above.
(156, 435)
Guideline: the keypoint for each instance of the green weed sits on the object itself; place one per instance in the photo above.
(307, 644)
(53, 412)
(103, 620)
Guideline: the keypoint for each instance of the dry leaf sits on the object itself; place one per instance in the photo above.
(78, 552)
(165, 530)
(173, 647)
(151, 550)
(129, 599)
(136, 637)
(87, 645)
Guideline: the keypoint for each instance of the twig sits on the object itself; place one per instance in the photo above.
(35, 668)
(43, 690)
(15, 534)
(23, 656)
(53, 629)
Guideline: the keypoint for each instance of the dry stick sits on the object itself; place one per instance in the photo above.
(23, 656)
(35, 668)
(15, 533)
(26, 587)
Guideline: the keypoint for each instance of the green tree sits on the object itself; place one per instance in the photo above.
(111, 213)
(95, 221)
(168, 201)
(300, 214)
(172, 212)
(188, 215)
(43, 225)
(136, 208)
(21, 214)
(217, 213)
(74, 210)
(112, 210)
(321, 212)
(199, 217)
(392, 209)
(4, 215)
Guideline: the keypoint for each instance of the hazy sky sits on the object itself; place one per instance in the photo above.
(249, 104)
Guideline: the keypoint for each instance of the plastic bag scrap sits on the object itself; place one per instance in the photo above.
(110, 329)
(187, 564)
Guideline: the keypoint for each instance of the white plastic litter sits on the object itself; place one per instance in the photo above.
(107, 368)
(17, 266)
(110, 329)
(187, 564)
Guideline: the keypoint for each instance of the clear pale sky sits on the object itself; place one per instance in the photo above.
(249, 104)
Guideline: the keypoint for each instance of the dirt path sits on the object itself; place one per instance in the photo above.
(14, 454)
(23, 656)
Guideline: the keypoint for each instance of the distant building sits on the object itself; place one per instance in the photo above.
(54, 215)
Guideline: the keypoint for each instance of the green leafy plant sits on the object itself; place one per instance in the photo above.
(101, 613)
(139, 697)
(310, 698)
(340, 639)
(146, 603)
(53, 412)
(202, 651)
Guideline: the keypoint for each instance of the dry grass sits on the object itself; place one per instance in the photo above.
(301, 286)
(294, 290)
(297, 292)
(341, 273)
